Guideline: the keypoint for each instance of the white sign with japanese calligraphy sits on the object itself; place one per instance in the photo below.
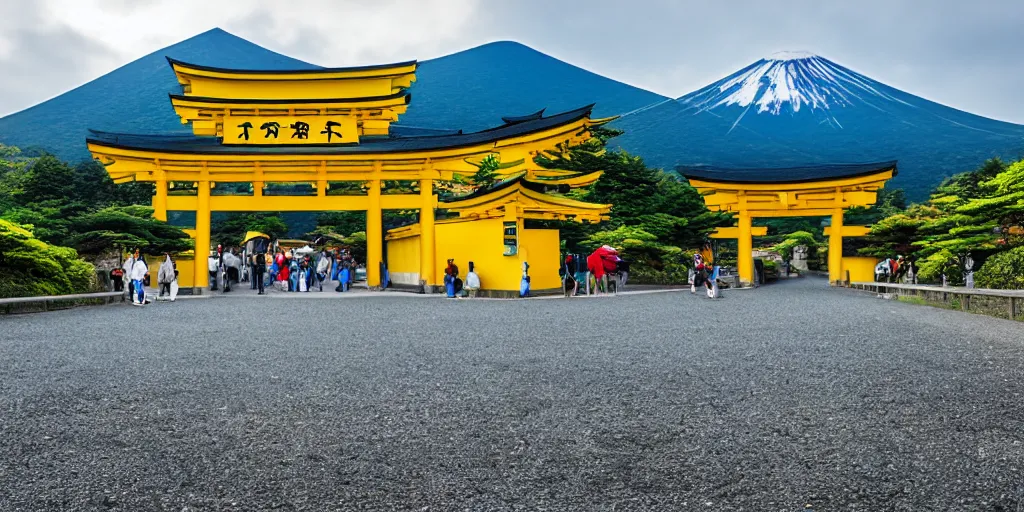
(290, 130)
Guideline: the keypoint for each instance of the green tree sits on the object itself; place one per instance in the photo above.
(230, 230)
(1004, 270)
(48, 178)
(32, 267)
(126, 227)
(975, 213)
(487, 173)
(792, 241)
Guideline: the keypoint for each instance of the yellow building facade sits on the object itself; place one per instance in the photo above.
(491, 232)
(827, 190)
(331, 129)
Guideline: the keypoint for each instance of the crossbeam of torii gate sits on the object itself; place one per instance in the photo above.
(827, 190)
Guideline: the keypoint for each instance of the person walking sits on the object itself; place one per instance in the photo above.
(126, 271)
(138, 276)
(213, 264)
(623, 273)
(165, 276)
(323, 267)
(259, 267)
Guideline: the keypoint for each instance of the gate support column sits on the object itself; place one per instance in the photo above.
(427, 260)
(201, 275)
(745, 250)
(374, 247)
(160, 200)
(835, 248)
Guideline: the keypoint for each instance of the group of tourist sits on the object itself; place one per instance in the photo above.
(603, 271)
(902, 269)
(133, 277)
(288, 270)
(303, 272)
(454, 286)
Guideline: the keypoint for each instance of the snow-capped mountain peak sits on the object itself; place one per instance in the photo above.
(789, 82)
(791, 55)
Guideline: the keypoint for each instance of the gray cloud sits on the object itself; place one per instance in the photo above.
(963, 54)
(41, 57)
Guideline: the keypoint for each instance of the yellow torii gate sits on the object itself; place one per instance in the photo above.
(322, 127)
(826, 190)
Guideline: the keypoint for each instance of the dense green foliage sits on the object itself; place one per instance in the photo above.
(978, 214)
(230, 230)
(46, 204)
(33, 267)
(1004, 270)
(792, 241)
(125, 227)
(655, 216)
(80, 206)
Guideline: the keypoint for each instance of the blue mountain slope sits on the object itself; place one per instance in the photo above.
(473, 89)
(469, 90)
(800, 109)
(132, 98)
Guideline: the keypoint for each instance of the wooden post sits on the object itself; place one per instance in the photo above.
(835, 248)
(1013, 308)
(374, 248)
(200, 274)
(745, 250)
(160, 200)
(427, 262)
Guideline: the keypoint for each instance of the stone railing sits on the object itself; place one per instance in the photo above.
(1012, 300)
(12, 304)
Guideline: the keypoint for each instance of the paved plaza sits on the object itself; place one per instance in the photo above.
(775, 399)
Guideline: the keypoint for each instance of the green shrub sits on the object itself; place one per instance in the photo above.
(670, 273)
(33, 267)
(1004, 270)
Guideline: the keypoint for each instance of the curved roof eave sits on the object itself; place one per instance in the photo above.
(785, 175)
(191, 144)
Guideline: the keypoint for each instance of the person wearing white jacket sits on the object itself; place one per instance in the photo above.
(126, 267)
(138, 277)
(472, 281)
(165, 277)
(323, 267)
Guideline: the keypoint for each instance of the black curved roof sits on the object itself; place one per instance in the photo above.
(528, 117)
(172, 62)
(191, 144)
(769, 175)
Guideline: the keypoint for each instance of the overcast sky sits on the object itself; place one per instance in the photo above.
(968, 55)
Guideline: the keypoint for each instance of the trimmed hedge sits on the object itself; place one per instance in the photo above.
(31, 267)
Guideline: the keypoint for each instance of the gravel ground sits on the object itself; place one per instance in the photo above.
(789, 396)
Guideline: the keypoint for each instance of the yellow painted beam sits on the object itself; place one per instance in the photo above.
(294, 203)
(876, 179)
(734, 232)
(850, 230)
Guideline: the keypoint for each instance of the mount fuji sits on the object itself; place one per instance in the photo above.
(799, 108)
(786, 110)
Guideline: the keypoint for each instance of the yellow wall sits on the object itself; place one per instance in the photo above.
(543, 254)
(860, 268)
(479, 241)
(482, 242)
(404, 260)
